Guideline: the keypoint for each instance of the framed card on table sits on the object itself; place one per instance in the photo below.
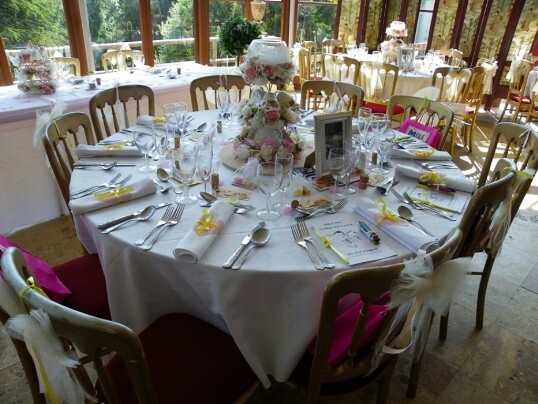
(330, 131)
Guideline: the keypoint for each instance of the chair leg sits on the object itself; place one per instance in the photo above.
(443, 326)
(385, 381)
(481, 299)
(504, 110)
(417, 361)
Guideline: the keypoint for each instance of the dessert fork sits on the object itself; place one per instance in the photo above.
(105, 184)
(307, 237)
(300, 240)
(334, 209)
(162, 221)
(422, 206)
(110, 184)
(174, 219)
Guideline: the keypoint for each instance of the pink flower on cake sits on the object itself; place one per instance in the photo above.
(272, 116)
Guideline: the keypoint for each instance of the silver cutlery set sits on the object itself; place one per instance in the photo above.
(302, 236)
(330, 210)
(235, 261)
(113, 183)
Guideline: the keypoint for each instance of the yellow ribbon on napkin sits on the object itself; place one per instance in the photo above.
(385, 213)
(205, 225)
(426, 201)
(115, 146)
(424, 153)
(432, 177)
(114, 195)
(327, 244)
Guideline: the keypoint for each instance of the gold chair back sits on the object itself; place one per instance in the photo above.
(314, 58)
(206, 88)
(60, 139)
(378, 80)
(303, 61)
(315, 94)
(433, 114)
(104, 111)
(74, 62)
(517, 80)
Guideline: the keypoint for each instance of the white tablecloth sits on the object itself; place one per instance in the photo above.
(271, 306)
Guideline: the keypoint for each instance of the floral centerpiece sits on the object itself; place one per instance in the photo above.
(269, 117)
(267, 130)
(35, 72)
(395, 32)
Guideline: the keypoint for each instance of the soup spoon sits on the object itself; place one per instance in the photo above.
(259, 238)
(140, 217)
(163, 176)
(406, 214)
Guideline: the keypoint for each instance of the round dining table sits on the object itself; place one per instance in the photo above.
(271, 305)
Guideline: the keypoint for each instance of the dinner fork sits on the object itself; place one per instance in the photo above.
(106, 184)
(162, 221)
(423, 206)
(299, 240)
(174, 219)
(334, 209)
(110, 185)
(301, 225)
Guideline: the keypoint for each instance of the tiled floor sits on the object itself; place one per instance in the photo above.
(495, 365)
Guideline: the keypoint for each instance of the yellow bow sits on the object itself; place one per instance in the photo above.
(115, 193)
(432, 178)
(424, 153)
(31, 284)
(386, 213)
(205, 226)
(118, 145)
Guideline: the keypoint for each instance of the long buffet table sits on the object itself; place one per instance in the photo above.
(29, 191)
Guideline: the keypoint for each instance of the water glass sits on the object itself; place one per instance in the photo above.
(233, 107)
(353, 149)
(222, 102)
(204, 160)
(145, 143)
(384, 144)
(368, 139)
(286, 160)
(338, 163)
(184, 168)
(160, 140)
(269, 181)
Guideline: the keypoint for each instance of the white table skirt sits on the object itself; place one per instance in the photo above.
(271, 306)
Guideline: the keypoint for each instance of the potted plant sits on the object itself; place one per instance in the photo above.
(236, 34)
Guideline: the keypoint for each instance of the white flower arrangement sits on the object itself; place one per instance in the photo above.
(261, 74)
(36, 73)
(396, 29)
(267, 116)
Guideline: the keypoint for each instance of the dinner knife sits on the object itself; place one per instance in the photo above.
(100, 164)
(246, 240)
(118, 220)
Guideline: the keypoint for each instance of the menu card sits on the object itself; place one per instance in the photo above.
(343, 232)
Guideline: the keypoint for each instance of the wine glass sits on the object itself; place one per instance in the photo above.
(269, 180)
(233, 107)
(286, 160)
(384, 145)
(222, 102)
(338, 164)
(145, 143)
(353, 149)
(368, 141)
(160, 140)
(204, 160)
(184, 168)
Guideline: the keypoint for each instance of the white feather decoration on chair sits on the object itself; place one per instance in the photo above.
(42, 119)
(52, 363)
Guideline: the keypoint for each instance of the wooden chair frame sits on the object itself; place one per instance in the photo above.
(388, 77)
(440, 117)
(108, 98)
(60, 140)
(475, 225)
(520, 146)
(214, 82)
(516, 99)
(315, 93)
(69, 61)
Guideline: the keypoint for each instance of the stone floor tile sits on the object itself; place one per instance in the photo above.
(531, 281)
(521, 315)
(462, 389)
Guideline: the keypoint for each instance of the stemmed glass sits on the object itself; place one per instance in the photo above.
(384, 145)
(286, 160)
(338, 164)
(160, 140)
(233, 107)
(269, 180)
(204, 160)
(222, 103)
(184, 168)
(144, 142)
(181, 117)
(353, 150)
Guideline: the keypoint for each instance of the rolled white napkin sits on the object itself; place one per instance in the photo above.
(458, 183)
(421, 154)
(110, 196)
(195, 243)
(401, 231)
(145, 120)
(84, 150)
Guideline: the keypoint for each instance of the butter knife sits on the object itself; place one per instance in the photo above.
(118, 220)
(246, 240)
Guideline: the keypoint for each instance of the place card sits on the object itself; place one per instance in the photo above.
(343, 232)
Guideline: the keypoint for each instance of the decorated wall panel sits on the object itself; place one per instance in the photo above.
(347, 28)
(470, 26)
(372, 24)
(495, 27)
(444, 25)
(411, 16)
